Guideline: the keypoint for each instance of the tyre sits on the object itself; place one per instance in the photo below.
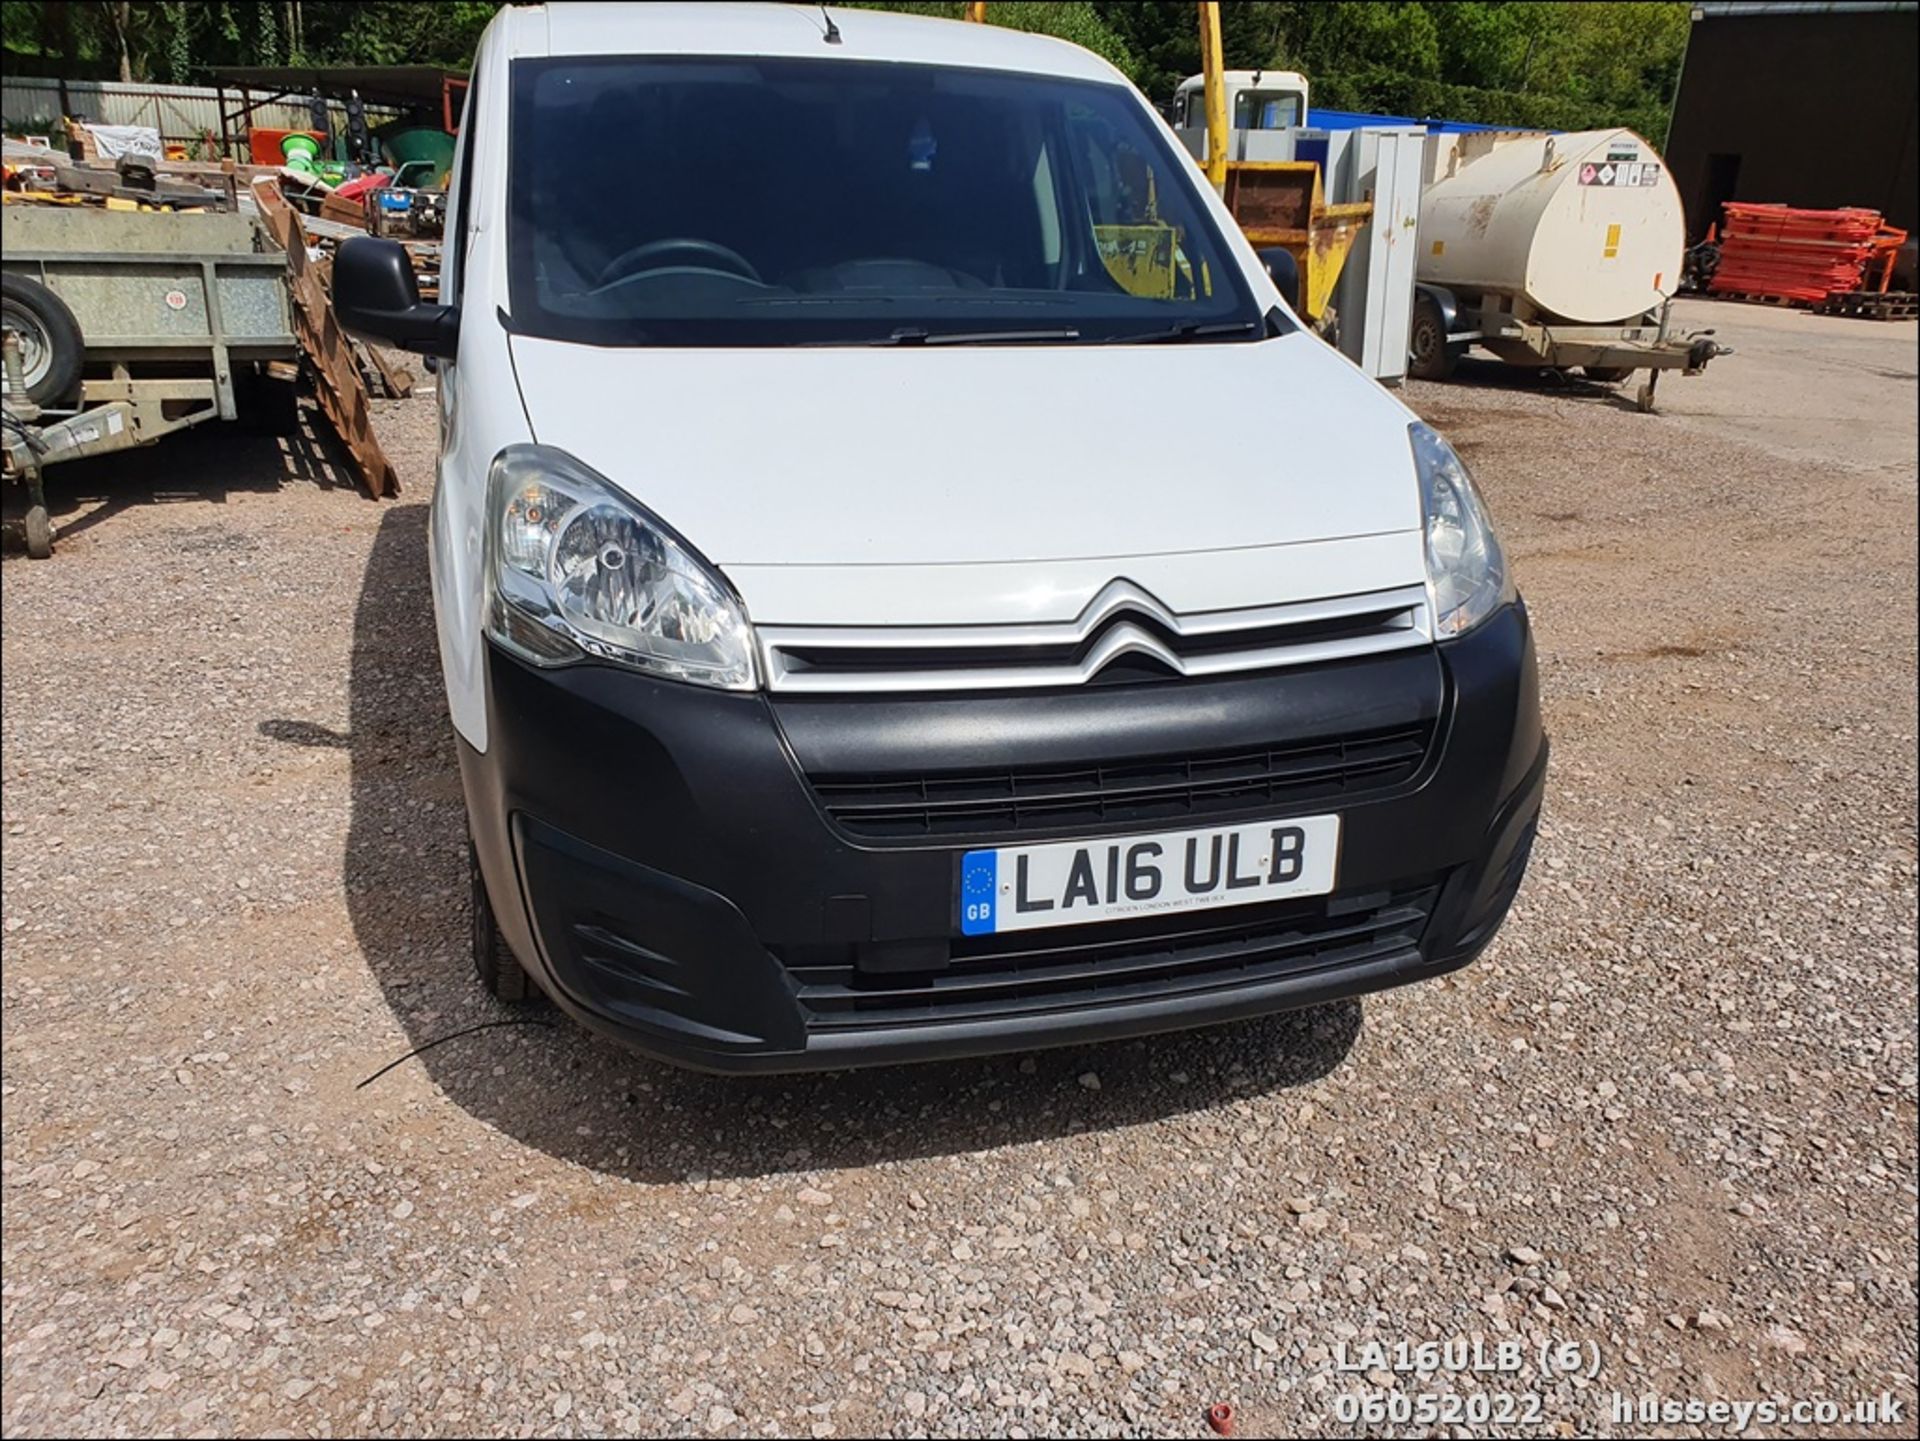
(50, 346)
(500, 972)
(1429, 356)
(1606, 374)
(39, 533)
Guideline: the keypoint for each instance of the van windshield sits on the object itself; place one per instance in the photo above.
(773, 202)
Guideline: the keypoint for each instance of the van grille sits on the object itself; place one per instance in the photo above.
(1173, 788)
(1027, 973)
(1123, 635)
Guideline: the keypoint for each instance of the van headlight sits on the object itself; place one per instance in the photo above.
(576, 568)
(1467, 576)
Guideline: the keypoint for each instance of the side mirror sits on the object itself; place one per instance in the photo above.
(376, 297)
(1281, 267)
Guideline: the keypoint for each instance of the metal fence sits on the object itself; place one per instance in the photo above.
(183, 114)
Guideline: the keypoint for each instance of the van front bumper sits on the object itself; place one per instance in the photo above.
(673, 868)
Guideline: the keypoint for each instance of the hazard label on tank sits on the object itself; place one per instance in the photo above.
(1620, 173)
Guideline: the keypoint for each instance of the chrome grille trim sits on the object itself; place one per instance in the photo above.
(1122, 620)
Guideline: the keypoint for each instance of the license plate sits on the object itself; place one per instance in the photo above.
(1070, 883)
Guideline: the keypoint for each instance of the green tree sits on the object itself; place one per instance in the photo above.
(1077, 20)
(1491, 44)
(1165, 36)
(1499, 62)
(395, 32)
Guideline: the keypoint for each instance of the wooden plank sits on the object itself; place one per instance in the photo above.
(1760, 297)
(337, 383)
(343, 212)
(397, 379)
(1872, 304)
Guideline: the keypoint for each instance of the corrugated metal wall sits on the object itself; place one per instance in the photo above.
(181, 113)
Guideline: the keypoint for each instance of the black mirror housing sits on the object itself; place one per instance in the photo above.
(1284, 271)
(376, 297)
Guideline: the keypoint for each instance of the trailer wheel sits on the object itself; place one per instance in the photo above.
(1606, 374)
(1429, 355)
(500, 972)
(50, 346)
(39, 532)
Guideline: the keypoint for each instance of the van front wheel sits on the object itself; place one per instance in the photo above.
(500, 972)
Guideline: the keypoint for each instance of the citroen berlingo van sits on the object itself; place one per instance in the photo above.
(908, 585)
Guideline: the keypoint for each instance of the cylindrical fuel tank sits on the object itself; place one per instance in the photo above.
(1585, 227)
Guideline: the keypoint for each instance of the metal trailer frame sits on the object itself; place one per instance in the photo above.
(1648, 344)
(146, 288)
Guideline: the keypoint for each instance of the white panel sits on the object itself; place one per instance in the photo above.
(1375, 295)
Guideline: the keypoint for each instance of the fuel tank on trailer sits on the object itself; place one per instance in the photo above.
(1585, 227)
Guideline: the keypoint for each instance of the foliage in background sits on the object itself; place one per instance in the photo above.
(1564, 66)
(173, 41)
(1080, 21)
(1506, 62)
(1165, 34)
(1501, 62)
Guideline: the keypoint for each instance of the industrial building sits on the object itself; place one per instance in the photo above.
(1811, 105)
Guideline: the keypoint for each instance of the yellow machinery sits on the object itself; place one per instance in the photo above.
(1278, 204)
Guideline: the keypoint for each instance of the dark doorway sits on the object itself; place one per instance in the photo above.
(1723, 175)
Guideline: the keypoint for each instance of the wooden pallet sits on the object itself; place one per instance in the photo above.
(336, 370)
(1759, 297)
(1872, 304)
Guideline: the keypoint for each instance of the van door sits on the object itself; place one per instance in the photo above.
(453, 257)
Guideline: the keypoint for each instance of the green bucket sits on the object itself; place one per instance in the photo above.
(300, 151)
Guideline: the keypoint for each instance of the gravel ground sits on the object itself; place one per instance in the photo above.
(1670, 1114)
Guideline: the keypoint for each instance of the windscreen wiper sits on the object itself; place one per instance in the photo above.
(920, 335)
(1187, 330)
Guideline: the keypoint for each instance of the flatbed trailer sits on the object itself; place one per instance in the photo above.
(124, 326)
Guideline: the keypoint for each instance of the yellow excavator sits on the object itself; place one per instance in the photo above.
(1277, 203)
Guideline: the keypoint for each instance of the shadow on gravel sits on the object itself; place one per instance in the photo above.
(205, 465)
(1476, 373)
(575, 1096)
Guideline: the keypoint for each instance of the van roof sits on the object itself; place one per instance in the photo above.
(790, 31)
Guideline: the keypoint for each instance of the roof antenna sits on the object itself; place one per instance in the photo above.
(832, 36)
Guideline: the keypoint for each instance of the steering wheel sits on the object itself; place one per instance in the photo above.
(648, 257)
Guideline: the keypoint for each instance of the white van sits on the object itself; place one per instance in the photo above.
(907, 584)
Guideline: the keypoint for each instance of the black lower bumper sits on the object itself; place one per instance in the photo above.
(672, 866)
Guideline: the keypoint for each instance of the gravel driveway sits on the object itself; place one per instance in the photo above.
(1671, 1114)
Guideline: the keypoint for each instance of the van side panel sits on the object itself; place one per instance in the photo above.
(480, 409)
